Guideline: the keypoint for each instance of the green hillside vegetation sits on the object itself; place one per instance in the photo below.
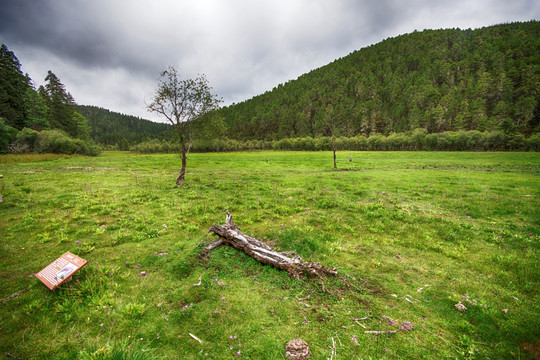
(41, 121)
(49, 120)
(438, 80)
(431, 90)
(112, 128)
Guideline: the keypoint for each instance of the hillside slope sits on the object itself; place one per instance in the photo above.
(440, 80)
(112, 128)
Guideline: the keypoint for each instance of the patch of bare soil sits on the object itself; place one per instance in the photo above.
(85, 168)
(533, 349)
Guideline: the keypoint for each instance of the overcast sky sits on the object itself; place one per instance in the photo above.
(109, 53)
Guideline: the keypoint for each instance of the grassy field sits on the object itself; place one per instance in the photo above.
(461, 226)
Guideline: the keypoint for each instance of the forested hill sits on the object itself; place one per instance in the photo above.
(112, 128)
(440, 80)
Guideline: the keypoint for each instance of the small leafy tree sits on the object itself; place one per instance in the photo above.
(331, 123)
(336, 125)
(8, 134)
(181, 101)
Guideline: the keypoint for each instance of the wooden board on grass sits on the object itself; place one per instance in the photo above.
(61, 270)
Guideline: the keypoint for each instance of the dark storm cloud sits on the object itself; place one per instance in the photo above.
(39, 25)
(70, 30)
(109, 53)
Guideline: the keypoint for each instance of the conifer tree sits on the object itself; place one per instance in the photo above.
(36, 110)
(13, 87)
(61, 109)
(60, 104)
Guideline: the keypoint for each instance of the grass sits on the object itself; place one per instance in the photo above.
(465, 224)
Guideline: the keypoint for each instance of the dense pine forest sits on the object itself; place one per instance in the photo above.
(112, 128)
(431, 90)
(438, 80)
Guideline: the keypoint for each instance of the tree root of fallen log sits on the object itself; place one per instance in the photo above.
(230, 234)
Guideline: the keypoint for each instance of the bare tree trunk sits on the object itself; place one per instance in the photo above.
(231, 235)
(334, 150)
(180, 180)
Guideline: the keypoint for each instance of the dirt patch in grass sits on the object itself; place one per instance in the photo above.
(87, 168)
(533, 349)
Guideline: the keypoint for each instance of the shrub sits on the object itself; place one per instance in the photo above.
(7, 136)
(461, 141)
(414, 140)
(25, 142)
(476, 138)
(533, 142)
(516, 142)
(418, 138)
(55, 141)
(376, 142)
(495, 140)
(58, 142)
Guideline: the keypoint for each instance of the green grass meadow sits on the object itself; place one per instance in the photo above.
(467, 225)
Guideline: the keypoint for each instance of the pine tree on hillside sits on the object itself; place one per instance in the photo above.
(36, 110)
(60, 103)
(61, 109)
(13, 87)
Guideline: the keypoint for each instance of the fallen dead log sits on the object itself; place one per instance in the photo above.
(230, 234)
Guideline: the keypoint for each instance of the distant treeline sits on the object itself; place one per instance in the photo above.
(439, 80)
(416, 140)
(121, 131)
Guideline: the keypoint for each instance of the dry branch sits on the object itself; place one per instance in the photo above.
(199, 283)
(196, 338)
(15, 295)
(230, 234)
(361, 325)
(14, 357)
(333, 349)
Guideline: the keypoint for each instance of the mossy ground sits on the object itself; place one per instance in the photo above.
(466, 224)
